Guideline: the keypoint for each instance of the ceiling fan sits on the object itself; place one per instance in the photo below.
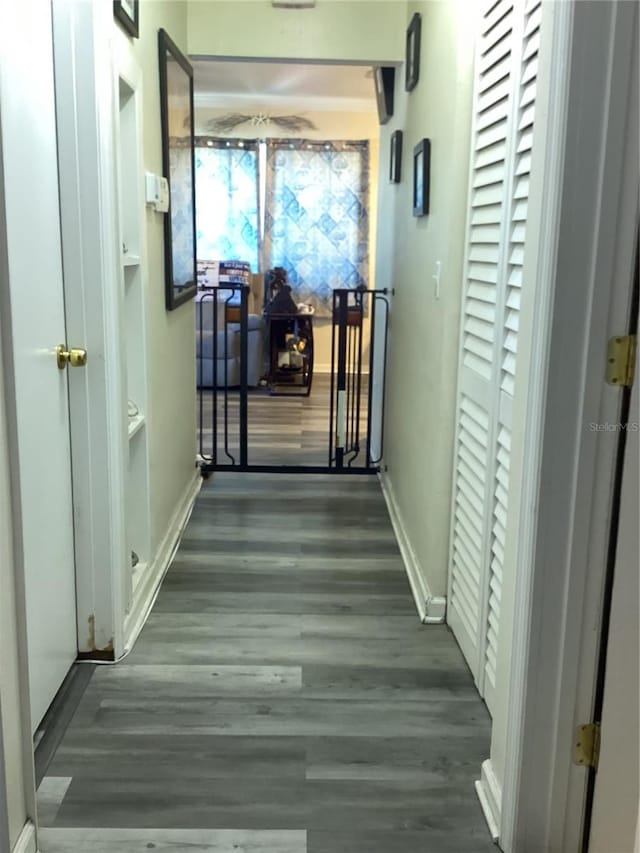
(230, 121)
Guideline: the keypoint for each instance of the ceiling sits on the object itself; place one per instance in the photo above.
(260, 85)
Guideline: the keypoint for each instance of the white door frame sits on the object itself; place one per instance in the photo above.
(585, 257)
(88, 200)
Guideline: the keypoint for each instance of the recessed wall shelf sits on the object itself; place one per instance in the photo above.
(133, 329)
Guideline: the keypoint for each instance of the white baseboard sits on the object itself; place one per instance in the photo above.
(431, 608)
(490, 796)
(26, 842)
(147, 589)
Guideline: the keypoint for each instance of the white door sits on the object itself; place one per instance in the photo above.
(44, 498)
(502, 135)
(617, 793)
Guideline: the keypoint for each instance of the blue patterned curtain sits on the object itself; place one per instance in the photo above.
(316, 216)
(227, 206)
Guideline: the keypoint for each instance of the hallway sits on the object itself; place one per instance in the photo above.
(282, 697)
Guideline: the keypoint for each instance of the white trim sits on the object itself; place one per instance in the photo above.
(431, 608)
(545, 243)
(146, 592)
(565, 527)
(91, 253)
(26, 842)
(490, 796)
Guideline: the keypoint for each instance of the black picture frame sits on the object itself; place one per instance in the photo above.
(178, 166)
(126, 13)
(395, 157)
(412, 53)
(421, 177)
(384, 79)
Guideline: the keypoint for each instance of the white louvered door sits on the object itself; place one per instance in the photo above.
(504, 100)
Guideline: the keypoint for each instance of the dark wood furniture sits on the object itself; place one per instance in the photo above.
(290, 354)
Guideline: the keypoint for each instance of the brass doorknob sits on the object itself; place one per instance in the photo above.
(75, 357)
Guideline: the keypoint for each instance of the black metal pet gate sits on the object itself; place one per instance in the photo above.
(355, 426)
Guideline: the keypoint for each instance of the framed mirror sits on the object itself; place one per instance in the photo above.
(176, 111)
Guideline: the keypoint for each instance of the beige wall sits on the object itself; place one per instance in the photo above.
(329, 125)
(355, 30)
(171, 334)
(423, 342)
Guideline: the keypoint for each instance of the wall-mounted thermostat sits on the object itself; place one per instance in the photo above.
(157, 192)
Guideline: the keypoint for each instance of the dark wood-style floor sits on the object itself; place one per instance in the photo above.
(282, 698)
(282, 430)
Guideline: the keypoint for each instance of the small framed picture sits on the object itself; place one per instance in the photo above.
(126, 13)
(412, 54)
(421, 177)
(395, 157)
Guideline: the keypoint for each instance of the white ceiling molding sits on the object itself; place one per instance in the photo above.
(268, 103)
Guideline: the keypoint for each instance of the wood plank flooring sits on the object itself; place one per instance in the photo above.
(282, 430)
(282, 698)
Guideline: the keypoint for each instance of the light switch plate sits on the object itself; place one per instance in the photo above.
(156, 192)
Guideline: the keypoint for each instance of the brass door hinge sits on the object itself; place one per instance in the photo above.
(621, 360)
(587, 745)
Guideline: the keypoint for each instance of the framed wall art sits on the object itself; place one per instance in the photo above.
(412, 53)
(176, 114)
(395, 157)
(126, 14)
(421, 177)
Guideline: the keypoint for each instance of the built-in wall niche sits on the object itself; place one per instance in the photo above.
(137, 558)
(128, 175)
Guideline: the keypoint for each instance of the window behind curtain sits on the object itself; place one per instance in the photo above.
(227, 207)
(316, 218)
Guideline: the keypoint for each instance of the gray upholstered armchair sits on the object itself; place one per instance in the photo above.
(223, 346)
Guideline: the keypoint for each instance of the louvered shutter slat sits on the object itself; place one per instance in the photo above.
(532, 46)
(526, 119)
(524, 165)
(497, 95)
(485, 234)
(531, 69)
(534, 18)
(525, 141)
(489, 213)
(528, 94)
(494, 15)
(491, 135)
(492, 155)
(497, 33)
(498, 72)
(505, 93)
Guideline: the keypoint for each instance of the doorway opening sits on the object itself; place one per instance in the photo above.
(286, 200)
